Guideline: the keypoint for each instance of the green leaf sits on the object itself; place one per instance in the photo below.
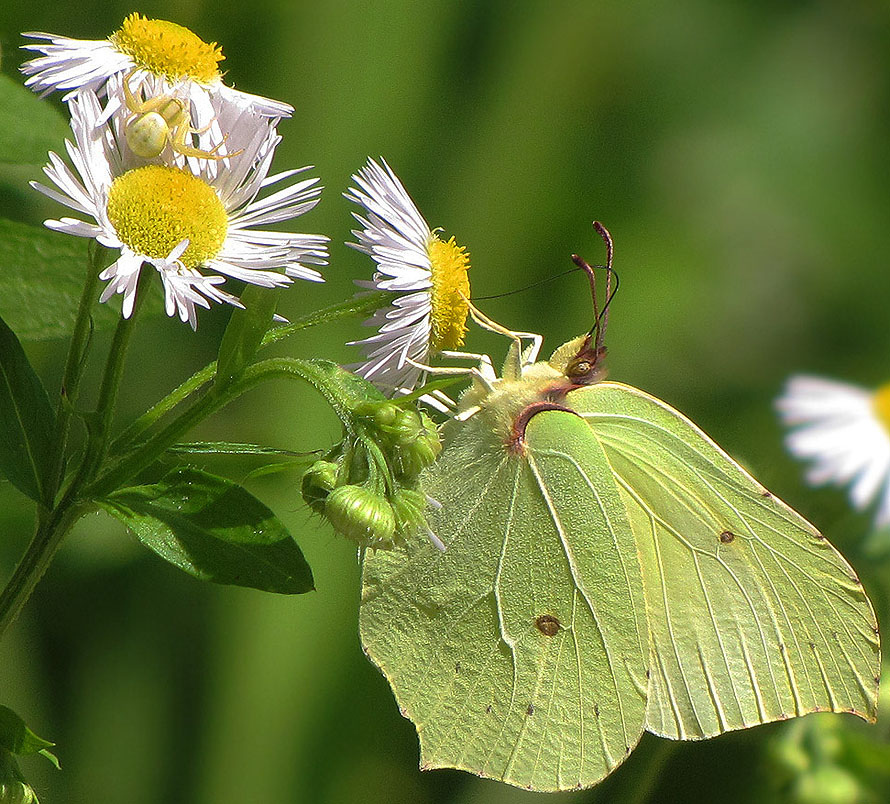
(214, 530)
(245, 331)
(41, 281)
(232, 448)
(29, 127)
(26, 419)
(17, 738)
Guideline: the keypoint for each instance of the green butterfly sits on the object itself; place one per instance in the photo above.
(609, 570)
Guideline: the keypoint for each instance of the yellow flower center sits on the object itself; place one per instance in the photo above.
(154, 208)
(451, 288)
(881, 402)
(167, 49)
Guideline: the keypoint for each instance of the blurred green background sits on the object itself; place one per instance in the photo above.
(738, 152)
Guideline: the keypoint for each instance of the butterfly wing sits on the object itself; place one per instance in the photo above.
(753, 615)
(520, 651)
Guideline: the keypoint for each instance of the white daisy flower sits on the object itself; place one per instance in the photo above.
(845, 431)
(193, 221)
(166, 56)
(426, 275)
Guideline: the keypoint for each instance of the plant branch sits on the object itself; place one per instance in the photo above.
(355, 306)
(74, 364)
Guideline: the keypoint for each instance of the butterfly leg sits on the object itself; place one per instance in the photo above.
(529, 356)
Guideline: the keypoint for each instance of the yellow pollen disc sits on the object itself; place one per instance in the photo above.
(449, 263)
(154, 208)
(881, 402)
(167, 49)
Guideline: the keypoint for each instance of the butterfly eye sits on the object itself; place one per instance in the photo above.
(580, 368)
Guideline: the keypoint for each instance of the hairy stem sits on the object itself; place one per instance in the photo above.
(74, 364)
(357, 306)
(51, 529)
(312, 371)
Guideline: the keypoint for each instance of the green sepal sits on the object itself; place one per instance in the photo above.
(214, 530)
(26, 419)
(17, 738)
(245, 332)
(29, 126)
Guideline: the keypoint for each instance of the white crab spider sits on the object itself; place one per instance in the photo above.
(156, 122)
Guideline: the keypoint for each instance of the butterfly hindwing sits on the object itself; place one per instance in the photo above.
(753, 615)
(519, 652)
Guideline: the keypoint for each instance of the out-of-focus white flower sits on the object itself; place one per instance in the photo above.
(426, 275)
(164, 57)
(193, 220)
(844, 430)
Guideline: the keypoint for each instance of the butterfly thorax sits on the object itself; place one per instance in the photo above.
(504, 405)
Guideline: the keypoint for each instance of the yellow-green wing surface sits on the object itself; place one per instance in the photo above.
(520, 652)
(753, 615)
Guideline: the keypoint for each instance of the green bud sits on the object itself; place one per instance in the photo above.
(407, 427)
(411, 458)
(361, 516)
(383, 414)
(409, 507)
(319, 481)
(13, 787)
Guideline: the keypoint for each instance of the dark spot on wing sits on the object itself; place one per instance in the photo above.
(766, 494)
(547, 624)
(727, 536)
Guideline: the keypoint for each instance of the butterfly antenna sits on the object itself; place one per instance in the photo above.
(601, 317)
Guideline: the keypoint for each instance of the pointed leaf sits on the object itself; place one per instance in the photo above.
(245, 331)
(232, 448)
(214, 530)
(17, 738)
(26, 419)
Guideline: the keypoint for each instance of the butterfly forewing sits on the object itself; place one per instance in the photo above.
(753, 615)
(519, 652)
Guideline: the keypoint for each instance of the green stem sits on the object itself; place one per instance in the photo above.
(74, 364)
(356, 306)
(97, 446)
(314, 372)
(51, 529)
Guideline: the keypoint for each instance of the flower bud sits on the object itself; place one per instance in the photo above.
(383, 414)
(13, 787)
(407, 427)
(318, 482)
(411, 458)
(361, 516)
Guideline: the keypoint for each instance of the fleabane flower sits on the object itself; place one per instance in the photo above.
(844, 430)
(426, 275)
(193, 221)
(162, 56)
